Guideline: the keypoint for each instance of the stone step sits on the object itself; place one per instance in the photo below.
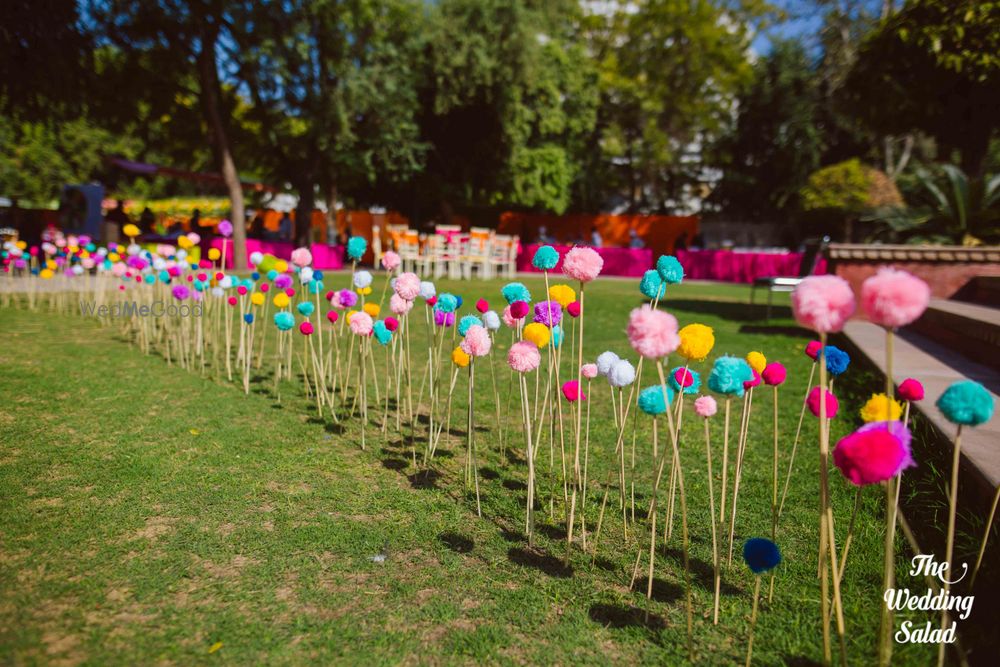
(972, 329)
(984, 290)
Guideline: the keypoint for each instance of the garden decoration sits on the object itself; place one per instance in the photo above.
(761, 555)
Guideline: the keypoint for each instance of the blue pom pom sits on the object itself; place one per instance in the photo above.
(967, 403)
(305, 308)
(557, 336)
(466, 323)
(670, 269)
(546, 258)
(356, 247)
(728, 375)
(652, 285)
(458, 301)
(248, 318)
(651, 400)
(691, 388)
(515, 292)
(837, 360)
(255, 276)
(381, 333)
(761, 554)
(446, 303)
(284, 320)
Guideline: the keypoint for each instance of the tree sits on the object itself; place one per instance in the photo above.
(841, 193)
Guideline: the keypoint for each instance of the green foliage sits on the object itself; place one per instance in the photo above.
(842, 187)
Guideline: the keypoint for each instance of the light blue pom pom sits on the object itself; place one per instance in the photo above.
(305, 308)
(284, 320)
(557, 336)
(670, 269)
(381, 332)
(728, 375)
(315, 286)
(356, 247)
(690, 389)
(466, 323)
(651, 400)
(546, 258)
(272, 274)
(446, 303)
(652, 285)
(966, 402)
(515, 292)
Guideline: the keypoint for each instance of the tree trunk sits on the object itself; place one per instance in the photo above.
(303, 212)
(330, 195)
(208, 80)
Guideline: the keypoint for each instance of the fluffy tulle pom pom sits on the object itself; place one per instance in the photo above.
(823, 303)
(670, 269)
(684, 379)
(305, 308)
(652, 402)
(546, 258)
(879, 408)
(622, 374)
(398, 305)
(392, 324)
(306, 328)
(407, 286)
(571, 390)
(548, 313)
(482, 305)
(761, 554)
(813, 348)
(283, 281)
(477, 341)
(539, 334)
(460, 357)
(605, 360)
(301, 257)
(697, 341)
(874, 453)
(589, 371)
(562, 294)
(911, 390)
(705, 406)
(491, 320)
(893, 298)
(372, 309)
(774, 373)
(515, 292)
(574, 309)
(652, 333)
(443, 319)
(837, 360)
(345, 298)
(557, 336)
(356, 247)
(524, 357)
(467, 323)
(381, 333)
(332, 316)
(583, 264)
(427, 290)
(728, 375)
(832, 405)
(651, 285)
(966, 402)
(519, 309)
(391, 260)
(757, 361)
(361, 323)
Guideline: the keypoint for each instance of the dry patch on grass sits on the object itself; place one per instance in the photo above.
(228, 570)
(155, 528)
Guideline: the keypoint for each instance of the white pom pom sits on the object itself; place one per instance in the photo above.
(362, 279)
(305, 275)
(256, 258)
(605, 361)
(622, 374)
(427, 290)
(491, 320)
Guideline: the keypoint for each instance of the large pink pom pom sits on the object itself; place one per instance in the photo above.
(911, 390)
(571, 390)
(524, 356)
(399, 305)
(705, 406)
(832, 405)
(407, 286)
(477, 341)
(301, 257)
(589, 371)
(583, 264)
(893, 298)
(391, 260)
(813, 348)
(652, 333)
(823, 303)
(361, 323)
(874, 453)
(774, 373)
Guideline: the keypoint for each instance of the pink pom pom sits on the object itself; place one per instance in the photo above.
(482, 305)
(652, 333)
(813, 349)
(431, 301)
(329, 294)
(874, 453)
(290, 292)
(893, 298)
(524, 356)
(583, 264)
(306, 329)
(190, 279)
(399, 305)
(361, 323)
(705, 406)
(241, 290)
(391, 260)
(203, 277)
(477, 342)
(823, 303)
(264, 287)
(519, 309)
(683, 377)
(749, 384)
(121, 288)
(911, 390)
(589, 371)
(301, 257)
(231, 300)
(408, 286)
(571, 390)
(508, 318)
(573, 309)
(832, 405)
(774, 373)
(391, 323)
(332, 316)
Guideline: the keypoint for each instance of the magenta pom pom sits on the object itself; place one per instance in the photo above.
(749, 384)
(571, 390)
(290, 292)
(477, 342)
(232, 300)
(361, 323)
(705, 406)
(482, 305)
(264, 287)
(524, 356)
(683, 378)
(774, 373)
(407, 286)
(241, 290)
(583, 264)
(589, 371)
(823, 303)
(652, 333)
(893, 298)
(813, 348)
(431, 301)
(301, 257)
(306, 328)
(332, 316)
(874, 453)
(832, 405)
(391, 323)
(911, 390)
(573, 309)
(519, 309)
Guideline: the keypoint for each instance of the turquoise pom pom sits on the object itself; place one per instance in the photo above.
(272, 274)
(149, 279)
(967, 403)
(670, 269)
(652, 285)
(305, 308)
(284, 320)
(546, 258)
(466, 323)
(651, 400)
(164, 276)
(691, 388)
(515, 292)
(315, 286)
(356, 247)
(381, 333)
(446, 303)
(728, 375)
(557, 336)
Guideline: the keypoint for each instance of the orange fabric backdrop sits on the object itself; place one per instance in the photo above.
(658, 232)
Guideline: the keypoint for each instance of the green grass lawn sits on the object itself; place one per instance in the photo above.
(151, 515)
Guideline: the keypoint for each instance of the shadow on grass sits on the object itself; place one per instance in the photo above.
(663, 591)
(488, 473)
(799, 661)
(514, 485)
(623, 616)
(424, 479)
(394, 464)
(460, 544)
(547, 564)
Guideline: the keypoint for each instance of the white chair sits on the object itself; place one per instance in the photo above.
(377, 246)
(503, 258)
(478, 253)
(409, 250)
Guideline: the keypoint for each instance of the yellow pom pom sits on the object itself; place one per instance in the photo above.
(51, 265)
(22, 245)
(281, 266)
(460, 358)
(45, 273)
(562, 294)
(84, 254)
(538, 334)
(364, 291)
(113, 256)
(349, 314)
(880, 409)
(184, 242)
(214, 254)
(373, 309)
(757, 361)
(281, 300)
(257, 299)
(130, 230)
(697, 341)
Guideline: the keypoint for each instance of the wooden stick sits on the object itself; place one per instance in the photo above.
(986, 537)
(950, 541)
(753, 619)
(711, 509)
(795, 442)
